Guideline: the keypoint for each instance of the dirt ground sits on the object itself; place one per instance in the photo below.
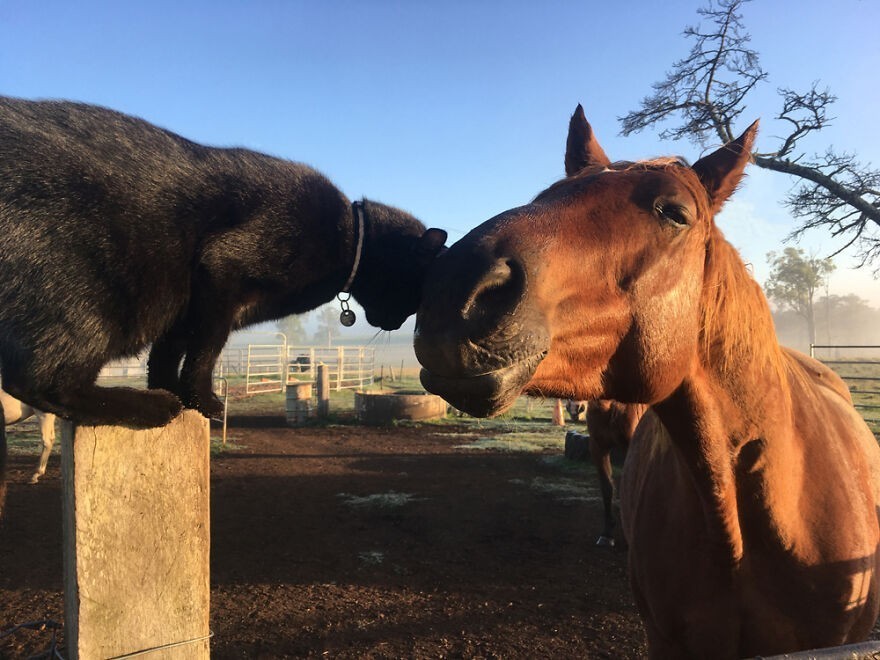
(353, 542)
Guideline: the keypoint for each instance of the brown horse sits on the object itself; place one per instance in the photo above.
(611, 424)
(750, 491)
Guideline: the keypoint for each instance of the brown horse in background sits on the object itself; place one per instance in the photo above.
(14, 411)
(611, 426)
(750, 491)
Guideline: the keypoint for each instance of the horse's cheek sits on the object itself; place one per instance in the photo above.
(665, 336)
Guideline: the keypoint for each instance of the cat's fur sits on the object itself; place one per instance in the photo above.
(116, 234)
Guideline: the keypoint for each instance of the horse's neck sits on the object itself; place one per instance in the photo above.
(722, 430)
(733, 411)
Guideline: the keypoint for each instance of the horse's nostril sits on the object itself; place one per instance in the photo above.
(497, 293)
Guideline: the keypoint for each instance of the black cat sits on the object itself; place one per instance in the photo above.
(116, 234)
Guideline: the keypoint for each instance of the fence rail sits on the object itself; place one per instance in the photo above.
(129, 368)
(266, 368)
(348, 366)
(270, 367)
(861, 374)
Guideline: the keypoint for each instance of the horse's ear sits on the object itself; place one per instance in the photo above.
(581, 149)
(431, 242)
(721, 171)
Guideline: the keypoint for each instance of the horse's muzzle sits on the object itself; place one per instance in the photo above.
(485, 395)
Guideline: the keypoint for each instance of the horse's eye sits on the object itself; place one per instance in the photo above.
(674, 213)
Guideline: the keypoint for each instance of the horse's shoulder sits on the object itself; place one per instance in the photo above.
(826, 420)
(808, 373)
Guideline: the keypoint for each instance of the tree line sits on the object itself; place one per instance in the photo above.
(806, 312)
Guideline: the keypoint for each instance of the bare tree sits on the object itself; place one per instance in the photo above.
(707, 89)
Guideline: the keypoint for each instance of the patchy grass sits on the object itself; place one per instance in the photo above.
(563, 464)
(389, 500)
(372, 557)
(24, 439)
(526, 416)
(564, 489)
(518, 442)
(232, 445)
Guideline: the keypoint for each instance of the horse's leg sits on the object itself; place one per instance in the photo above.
(601, 455)
(74, 395)
(47, 432)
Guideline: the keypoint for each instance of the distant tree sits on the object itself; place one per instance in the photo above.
(293, 328)
(840, 320)
(794, 280)
(847, 319)
(707, 90)
(328, 325)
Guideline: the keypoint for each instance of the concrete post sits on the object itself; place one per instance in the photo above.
(136, 539)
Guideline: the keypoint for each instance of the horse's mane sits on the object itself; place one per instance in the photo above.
(736, 324)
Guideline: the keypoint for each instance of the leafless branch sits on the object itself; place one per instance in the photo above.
(706, 91)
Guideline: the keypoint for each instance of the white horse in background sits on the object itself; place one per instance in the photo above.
(16, 411)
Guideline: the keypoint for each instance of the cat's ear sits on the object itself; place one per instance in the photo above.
(431, 242)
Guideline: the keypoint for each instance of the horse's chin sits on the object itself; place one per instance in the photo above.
(484, 395)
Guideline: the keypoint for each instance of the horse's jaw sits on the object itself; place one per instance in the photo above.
(487, 394)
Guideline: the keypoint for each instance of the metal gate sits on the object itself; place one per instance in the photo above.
(265, 368)
(861, 374)
(348, 366)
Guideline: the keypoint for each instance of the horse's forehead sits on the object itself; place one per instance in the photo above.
(673, 172)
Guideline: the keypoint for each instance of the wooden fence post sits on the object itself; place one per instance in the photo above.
(323, 384)
(136, 539)
(340, 367)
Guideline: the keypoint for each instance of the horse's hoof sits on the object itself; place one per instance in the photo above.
(35, 479)
(605, 542)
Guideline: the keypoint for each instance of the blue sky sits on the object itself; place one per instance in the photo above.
(453, 110)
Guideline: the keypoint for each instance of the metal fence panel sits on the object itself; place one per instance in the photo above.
(269, 367)
(348, 366)
(861, 374)
(126, 369)
(265, 368)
